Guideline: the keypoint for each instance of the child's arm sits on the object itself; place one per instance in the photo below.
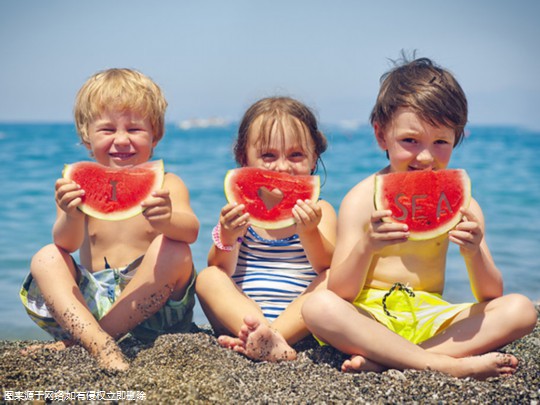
(68, 229)
(361, 235)
(485, 277)
(169, 211)
(316, 227)
(233, 223)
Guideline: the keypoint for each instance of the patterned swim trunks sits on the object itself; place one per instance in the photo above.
(100, 290)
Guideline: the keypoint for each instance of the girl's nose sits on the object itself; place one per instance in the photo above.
(282, 165)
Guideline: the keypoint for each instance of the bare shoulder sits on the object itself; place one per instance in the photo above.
(325, 205)
(475, 206)
(476, 210)
(357, 206)
(172, 181)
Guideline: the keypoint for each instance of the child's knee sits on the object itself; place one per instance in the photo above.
(47, 258)
(207, 279)
(319, 306)
(523, 311)
(517, 312)
(204, 279)
(174, 252)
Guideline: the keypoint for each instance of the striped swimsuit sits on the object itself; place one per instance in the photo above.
(272, 272)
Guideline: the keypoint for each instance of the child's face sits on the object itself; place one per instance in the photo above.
(284, 152)
(413, 144)
(121, 138)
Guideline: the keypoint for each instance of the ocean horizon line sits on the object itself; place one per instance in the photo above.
(345, 126)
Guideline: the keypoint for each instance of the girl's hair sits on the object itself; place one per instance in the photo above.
(123, 90)
(282, 112)
(429, 90)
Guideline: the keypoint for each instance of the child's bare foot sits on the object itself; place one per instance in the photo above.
(263, 343)
(359, 363)
(109, 356)
(230, 342)
(55, 346)
(486, 365)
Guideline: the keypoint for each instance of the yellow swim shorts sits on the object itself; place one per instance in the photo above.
(414, 315)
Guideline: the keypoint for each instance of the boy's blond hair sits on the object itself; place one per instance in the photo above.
(123, 90)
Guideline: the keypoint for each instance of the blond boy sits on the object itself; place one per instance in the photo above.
(134, 275)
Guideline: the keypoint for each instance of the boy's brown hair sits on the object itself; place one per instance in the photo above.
(429, 90)
(123, 90)
(285, 112)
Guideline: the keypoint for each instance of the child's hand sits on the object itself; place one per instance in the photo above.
(234, 223)
(307, 216)
(68, 196)
(468, 234)
(382, 234)
(158, 209)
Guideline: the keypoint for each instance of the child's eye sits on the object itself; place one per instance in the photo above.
(297, 155)
(267, 155)
(442, 142)
(408, 140)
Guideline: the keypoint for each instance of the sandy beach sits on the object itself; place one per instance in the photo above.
(193, 368)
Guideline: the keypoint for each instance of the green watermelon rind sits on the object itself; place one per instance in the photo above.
(442, 229)
(156, 166)
(269, 224)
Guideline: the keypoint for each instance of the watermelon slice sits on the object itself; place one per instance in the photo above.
(115, 194)
(429, 202)
(269, 196)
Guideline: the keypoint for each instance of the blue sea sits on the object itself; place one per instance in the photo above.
(503, 163)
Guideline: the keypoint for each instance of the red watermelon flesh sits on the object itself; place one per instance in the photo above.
(429, 202)
(269, 196)
(115, 194)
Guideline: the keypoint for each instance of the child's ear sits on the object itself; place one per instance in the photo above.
(379, 135)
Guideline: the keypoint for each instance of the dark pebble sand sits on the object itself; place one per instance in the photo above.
(193, 368)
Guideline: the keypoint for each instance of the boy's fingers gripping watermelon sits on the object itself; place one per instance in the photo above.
(115, 194)
(269, 196)
(429, 202)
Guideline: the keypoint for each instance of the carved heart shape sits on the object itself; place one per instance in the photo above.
(270, 198)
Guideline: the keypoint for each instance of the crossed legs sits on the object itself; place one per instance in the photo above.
(163, 274)
(456, 351)
(231, 312)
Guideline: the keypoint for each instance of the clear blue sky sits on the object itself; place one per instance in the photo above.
(214, 58)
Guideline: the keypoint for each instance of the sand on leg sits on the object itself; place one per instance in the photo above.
(55, 273)
(163, 274)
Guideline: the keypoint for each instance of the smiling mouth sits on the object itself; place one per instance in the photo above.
(121, 155)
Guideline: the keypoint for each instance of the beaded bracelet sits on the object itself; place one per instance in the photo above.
(216, 237)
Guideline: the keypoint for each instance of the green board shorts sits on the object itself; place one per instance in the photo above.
(100, 290)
